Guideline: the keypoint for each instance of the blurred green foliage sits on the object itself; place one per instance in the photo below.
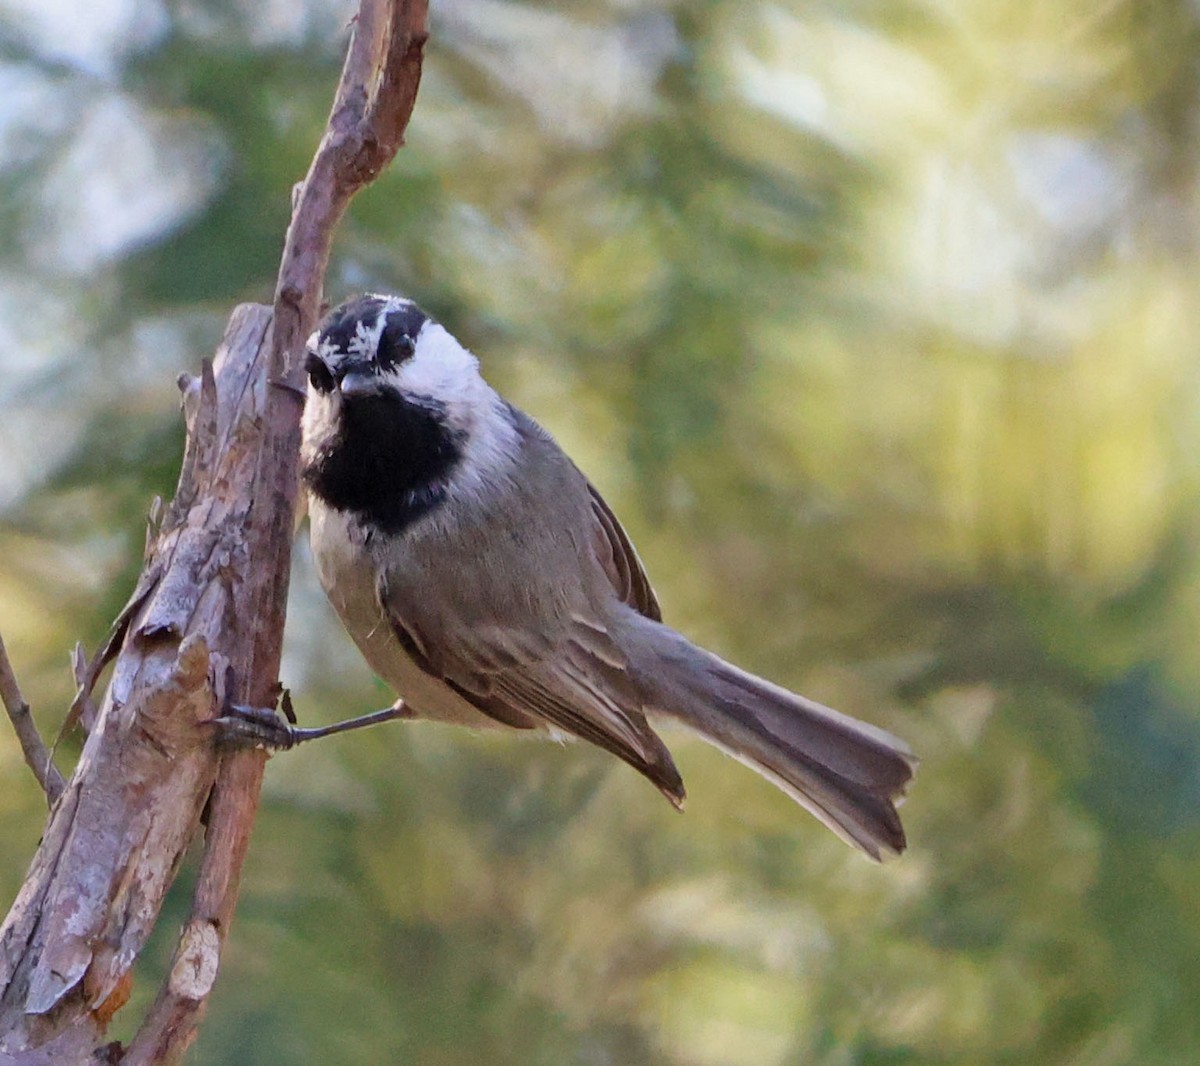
(877, 323)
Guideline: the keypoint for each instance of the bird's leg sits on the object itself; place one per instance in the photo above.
(276, 730)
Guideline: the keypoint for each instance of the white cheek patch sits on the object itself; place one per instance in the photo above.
(444, 370)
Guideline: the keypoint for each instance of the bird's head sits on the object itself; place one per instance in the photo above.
(395, 404)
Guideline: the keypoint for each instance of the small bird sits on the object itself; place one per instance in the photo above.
(484, 578)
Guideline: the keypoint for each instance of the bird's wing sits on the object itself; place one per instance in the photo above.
(577, 682)
(616, 554)
(610, 544)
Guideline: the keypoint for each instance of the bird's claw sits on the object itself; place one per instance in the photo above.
(257, 727)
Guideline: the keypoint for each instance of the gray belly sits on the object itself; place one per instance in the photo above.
(348, 578)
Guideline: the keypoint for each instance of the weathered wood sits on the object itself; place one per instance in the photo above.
(128, 813)
(203, 627)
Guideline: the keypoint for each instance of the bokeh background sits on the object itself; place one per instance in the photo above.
(877, 322)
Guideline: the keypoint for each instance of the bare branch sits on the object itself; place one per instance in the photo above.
(37, 755)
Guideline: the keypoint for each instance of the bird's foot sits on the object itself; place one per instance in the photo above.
(258, 727)
(276, 730)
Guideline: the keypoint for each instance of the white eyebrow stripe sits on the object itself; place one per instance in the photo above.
(365, 342)
(327, 350)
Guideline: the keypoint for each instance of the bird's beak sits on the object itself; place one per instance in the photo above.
(358, 383)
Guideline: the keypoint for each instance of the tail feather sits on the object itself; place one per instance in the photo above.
(849, 774)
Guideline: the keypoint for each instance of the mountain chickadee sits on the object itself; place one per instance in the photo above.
(483, 577)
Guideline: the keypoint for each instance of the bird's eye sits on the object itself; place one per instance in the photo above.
(395, 346)
(319, 375)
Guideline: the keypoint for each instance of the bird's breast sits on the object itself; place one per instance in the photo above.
(348, 574)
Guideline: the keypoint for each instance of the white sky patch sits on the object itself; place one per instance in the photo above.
(580, 79)
(288, 22)
(32, 112)
(57, 377)
(92, 35)
(977, 250)
(268, 23)
(835, 78)
(37, 429)
(126, 178)
(1072, 183)
(967, 251)
(791, 95)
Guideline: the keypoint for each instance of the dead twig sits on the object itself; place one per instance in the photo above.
(37, 755)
